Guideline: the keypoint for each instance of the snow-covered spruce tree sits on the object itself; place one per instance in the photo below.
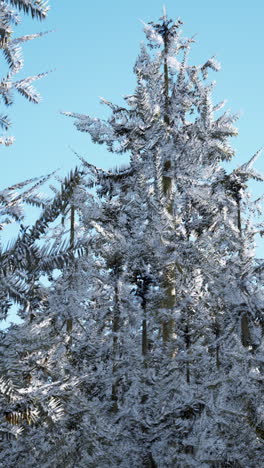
(152, 341)
(189, 253)
(23, 263)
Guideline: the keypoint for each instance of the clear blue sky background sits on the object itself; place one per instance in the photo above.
(92, 52)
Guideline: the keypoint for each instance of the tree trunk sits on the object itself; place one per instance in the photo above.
(169, 273)
(69, 322)
(188, 344)
(245, 328)
(115, 330)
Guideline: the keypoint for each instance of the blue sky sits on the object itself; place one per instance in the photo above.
(92, 50)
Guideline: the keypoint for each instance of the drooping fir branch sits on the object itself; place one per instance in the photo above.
(12, 53)
(36, 8)
(17, 257)
(58, 205)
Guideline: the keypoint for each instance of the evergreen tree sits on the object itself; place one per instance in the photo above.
(193, 296)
